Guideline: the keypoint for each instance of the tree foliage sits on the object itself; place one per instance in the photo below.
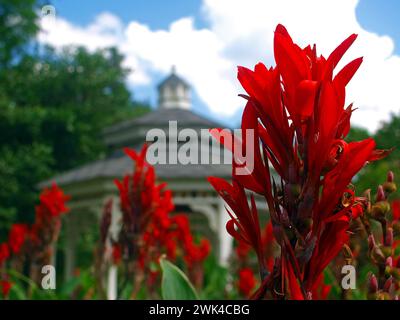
(53, 106)
(386, 137)
(18, 26)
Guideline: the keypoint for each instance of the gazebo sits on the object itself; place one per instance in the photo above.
(92, 184)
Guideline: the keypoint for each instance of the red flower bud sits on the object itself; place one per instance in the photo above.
(380, 196)
(388, 284)
(247, 281)
(372, 284)
(390, 176)
(389, 237)
(389, 262)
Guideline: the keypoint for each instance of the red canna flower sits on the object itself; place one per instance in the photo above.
(197, 253)
(47, 225)
(247, 281)
(5, 287)
(46, 228)
(148, 230)
(171, 246)
(246, 226)
(17, 237)
(193, 253)
(4, 253)
(298, 115)
(52, 202)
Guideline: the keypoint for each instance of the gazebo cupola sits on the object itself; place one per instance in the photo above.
(174, 93)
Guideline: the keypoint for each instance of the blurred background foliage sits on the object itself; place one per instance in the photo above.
(53, 106)
(386, 137)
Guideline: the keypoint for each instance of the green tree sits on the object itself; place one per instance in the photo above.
(53, 110)
(357, 134)
(18, 26)
(82, 92)
(387, 137)
(53, 106)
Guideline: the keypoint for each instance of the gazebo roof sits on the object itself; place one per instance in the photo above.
(117, 167)
(117, 164)
(160, 117)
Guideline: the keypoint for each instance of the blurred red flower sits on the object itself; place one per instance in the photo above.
(4, 253)
(17, 237)
(148, 230)
(5, 287)
(247, 281)
(52, 202)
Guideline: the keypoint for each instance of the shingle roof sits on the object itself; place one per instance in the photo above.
(159, 117)
(117, 167)
(117, 164)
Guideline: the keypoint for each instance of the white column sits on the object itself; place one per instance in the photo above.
(225, 240)
(70, 244)
(112, 283)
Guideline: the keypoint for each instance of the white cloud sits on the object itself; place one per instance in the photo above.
(240, 32)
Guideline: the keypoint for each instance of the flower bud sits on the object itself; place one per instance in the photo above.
(390, 176)
(389, 237)
(388, 284)
(389, 187)
(380, 209)
(387, 251)
(380, 195)
(376, 254)
(389, 262)
(372, 284)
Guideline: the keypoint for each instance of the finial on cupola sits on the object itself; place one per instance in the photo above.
(174, 92)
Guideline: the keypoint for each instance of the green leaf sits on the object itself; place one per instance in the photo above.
(175, 285)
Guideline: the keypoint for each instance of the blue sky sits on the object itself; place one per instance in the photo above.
(374, 17)
(156, 13)
(380, 16)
